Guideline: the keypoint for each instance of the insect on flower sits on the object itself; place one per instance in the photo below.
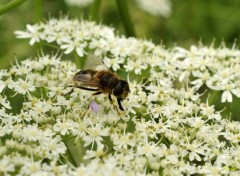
(99, 79)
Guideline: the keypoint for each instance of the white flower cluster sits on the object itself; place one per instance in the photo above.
(156, 7)
(79, 3)
(218, 69)
(163, 130)
(153, 7)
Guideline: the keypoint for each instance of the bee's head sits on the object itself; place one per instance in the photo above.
(121, 90)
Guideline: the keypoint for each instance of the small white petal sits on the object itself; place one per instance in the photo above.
(2, 86)
(69, 50)
(226, 96)
(236, 92)
(80, 51)
(182, 76)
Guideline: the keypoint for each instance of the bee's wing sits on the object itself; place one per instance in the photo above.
(94, 63)
(85, 79)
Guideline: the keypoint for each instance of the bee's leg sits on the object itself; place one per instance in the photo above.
(85, 88)
(84, 113)
(88, 107)
(97, 93)
(110, 98)
(120, 105)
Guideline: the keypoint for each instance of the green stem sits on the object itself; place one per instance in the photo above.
(11, 5)
(94, 11)
(50, 45)
(69, 154)
(124, 14)
(213, 98)
(38, 6)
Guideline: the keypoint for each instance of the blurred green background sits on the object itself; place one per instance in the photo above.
(190, 21)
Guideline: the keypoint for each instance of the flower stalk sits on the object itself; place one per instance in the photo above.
(125, 17)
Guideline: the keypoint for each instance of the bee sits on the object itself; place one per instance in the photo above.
(99, 79)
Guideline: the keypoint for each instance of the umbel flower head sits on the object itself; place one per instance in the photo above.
(164, 130)
(216, 69)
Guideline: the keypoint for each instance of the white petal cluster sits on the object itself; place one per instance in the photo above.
(156, 7)
(79, 3)
(153, 7)
(164, 130)
(217, 69)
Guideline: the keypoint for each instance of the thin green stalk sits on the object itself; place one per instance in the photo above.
(70, 155)
(38, 10)
(124, 14)
(50, 45)
(10, 5)
(94, 11)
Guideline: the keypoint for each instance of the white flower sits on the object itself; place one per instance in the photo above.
(100, 152)
(63, 126)
(156, 7)
(31, 168)
(53, 147)
(94, 134)
(200, 78)
(23, 87)
(137, 66)
(79, 3)
(194, 150)
(229, 90)
(149, 149)
(33, 32)
(31, 133)
(75, 44)
(79, 129)
(212, 170)
(123, 141)
(6, 166)
(2, 86)
(113, 63)
(123, 158)
(5, 102)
